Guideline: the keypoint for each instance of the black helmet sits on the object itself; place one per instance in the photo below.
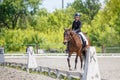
(77, 14)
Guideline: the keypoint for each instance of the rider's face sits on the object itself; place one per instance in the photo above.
(77, 18)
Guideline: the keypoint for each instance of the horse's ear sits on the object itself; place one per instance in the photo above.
(70, 29)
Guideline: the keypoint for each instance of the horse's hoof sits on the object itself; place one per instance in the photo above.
(75, 69)
(70, 69)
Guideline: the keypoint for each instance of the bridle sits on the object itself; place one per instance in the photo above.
(70, 37)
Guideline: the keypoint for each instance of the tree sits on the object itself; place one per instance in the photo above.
(13, 10)
(87, 7)
(106, 25)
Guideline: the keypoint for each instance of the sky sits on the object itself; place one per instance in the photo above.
(51, 5)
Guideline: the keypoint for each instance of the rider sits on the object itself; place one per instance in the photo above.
(76, 27)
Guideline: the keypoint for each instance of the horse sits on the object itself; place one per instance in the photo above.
(74, 43)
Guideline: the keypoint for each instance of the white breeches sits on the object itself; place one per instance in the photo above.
(84, 37)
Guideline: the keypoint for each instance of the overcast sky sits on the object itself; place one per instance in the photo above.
(51, 5)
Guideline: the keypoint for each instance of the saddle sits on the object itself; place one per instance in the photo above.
(83, 41)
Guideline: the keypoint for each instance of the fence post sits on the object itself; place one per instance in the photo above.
(1, 55)
(91, 71)
(68, 76)
(49, 71)
(57, 73)
(40, 69)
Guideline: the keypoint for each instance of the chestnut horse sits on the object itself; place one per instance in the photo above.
(74, 43)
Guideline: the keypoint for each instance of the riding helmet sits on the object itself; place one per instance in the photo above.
(77, 14)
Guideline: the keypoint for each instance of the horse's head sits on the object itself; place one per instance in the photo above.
(67, 36)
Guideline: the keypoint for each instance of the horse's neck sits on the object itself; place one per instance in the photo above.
(75, 39)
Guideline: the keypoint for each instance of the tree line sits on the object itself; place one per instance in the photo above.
(24, 22)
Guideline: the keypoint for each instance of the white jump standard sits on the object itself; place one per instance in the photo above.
(91, 71)
(31, 62)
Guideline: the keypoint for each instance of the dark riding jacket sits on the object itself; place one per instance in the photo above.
(76, 26)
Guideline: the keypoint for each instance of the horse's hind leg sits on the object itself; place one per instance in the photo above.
(84, 59)
(68, 60)
(81, 60)
(76, 60)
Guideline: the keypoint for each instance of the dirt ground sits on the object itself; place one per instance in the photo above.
(13, 74)
(109, 66)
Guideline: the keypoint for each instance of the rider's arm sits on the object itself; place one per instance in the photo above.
(77, 30)
(78, 27)
(73, 26)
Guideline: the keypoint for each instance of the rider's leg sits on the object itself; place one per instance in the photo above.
(83, 41)
(86, 41)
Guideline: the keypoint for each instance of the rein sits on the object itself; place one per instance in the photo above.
(71, 37)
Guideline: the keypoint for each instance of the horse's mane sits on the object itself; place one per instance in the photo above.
(75, 37)
(73, 33)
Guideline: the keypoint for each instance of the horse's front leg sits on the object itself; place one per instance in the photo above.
(68, 60)
(76, 60)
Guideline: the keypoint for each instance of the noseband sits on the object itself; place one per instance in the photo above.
(70, 38)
